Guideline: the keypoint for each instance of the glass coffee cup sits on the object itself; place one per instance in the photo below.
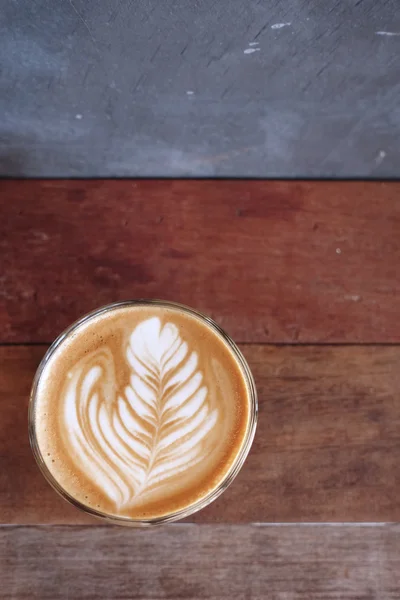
(142, 412)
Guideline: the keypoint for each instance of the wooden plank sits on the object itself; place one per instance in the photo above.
(327, 446)
(270, 261)
(196, 562)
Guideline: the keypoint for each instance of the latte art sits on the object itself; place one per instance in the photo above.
(142, 412)
(130, 442)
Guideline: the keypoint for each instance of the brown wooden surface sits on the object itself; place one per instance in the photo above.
(182, 561)
(327, 446)
(291, 270)
(270, 261)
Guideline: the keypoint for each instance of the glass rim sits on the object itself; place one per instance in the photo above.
(202, 502)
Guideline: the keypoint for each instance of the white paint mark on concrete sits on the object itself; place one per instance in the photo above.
(381, 157)
(254, 43)
(338, 251)
(280, 25)
(388, 33)
(78, 116)
(251, 50)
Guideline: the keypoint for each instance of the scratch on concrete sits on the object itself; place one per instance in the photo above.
(84, 23)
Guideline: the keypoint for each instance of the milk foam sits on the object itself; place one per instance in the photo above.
(134, 441)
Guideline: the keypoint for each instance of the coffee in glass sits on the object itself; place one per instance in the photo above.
(142, 412)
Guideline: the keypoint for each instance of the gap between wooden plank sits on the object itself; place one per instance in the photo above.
(244, 344)
(184, 524)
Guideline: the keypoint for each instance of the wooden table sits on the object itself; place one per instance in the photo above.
(305, 276)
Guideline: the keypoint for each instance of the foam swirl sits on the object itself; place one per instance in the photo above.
(132, 441)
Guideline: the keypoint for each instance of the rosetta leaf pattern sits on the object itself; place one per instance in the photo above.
(130, 442)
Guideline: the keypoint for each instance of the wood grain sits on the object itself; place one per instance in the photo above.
(270, 261)
(327, 446)
(192, 562)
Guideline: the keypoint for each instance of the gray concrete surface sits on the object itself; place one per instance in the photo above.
(288, 88)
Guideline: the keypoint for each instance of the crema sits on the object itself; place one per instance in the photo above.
(141, 411)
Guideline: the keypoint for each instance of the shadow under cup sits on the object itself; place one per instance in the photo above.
(237, 461)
